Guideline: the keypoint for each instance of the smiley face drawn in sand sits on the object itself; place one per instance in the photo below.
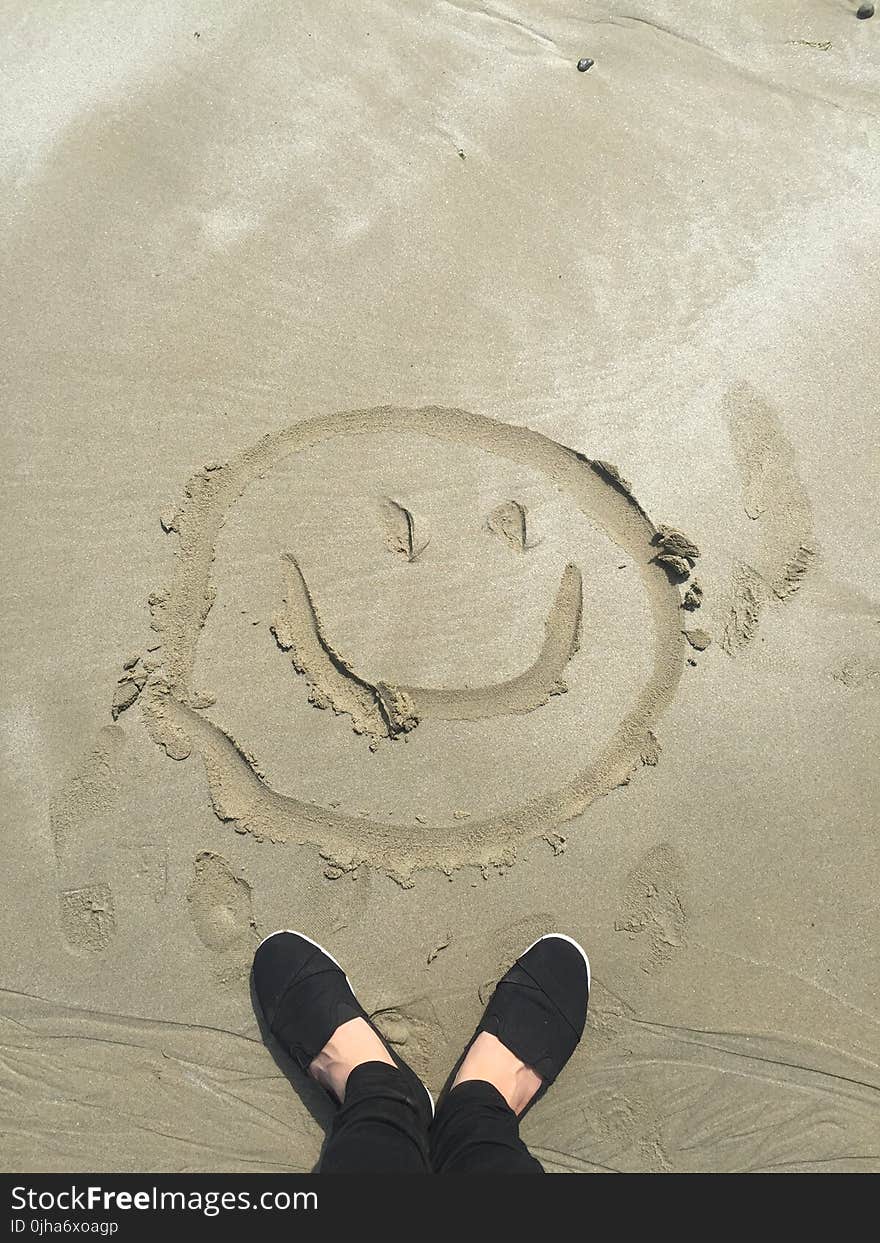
(383, 710)
(392, 711)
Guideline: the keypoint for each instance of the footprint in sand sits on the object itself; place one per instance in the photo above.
(776, 501)
(220, 907)
(88, 919)
(607, 1017)
(857, 673)
(653, 908)
(416, 1032)
(511, 942)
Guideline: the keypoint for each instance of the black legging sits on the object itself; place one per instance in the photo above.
(379, 1130)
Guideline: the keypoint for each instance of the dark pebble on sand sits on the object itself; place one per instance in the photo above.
(585, 63)
(865, 10)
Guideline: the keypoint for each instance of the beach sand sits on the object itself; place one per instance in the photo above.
(440, 507)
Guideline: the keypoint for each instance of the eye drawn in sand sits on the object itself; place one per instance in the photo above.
(88, 919)
(653, 912)
(400, 528)
(239, 791)
(508, 521)
(776, 501)
(220, 907)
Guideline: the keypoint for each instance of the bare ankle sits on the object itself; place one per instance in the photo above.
(489, 1061)
(352, 1044)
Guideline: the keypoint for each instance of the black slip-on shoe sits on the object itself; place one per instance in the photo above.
(539, 1008)
(304, 995)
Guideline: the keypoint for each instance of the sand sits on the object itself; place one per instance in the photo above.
(439, 507)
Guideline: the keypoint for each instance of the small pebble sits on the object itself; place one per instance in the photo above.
(585, 63)
(865, 11)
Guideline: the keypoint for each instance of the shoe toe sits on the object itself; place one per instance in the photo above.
(560, 969)
(279, 960)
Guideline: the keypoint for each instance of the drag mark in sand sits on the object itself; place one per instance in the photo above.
(776, 501)
(196, 1097)
(207, 1099)
(240, 793)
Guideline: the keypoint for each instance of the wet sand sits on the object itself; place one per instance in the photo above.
(440, 508)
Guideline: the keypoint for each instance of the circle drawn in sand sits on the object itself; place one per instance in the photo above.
(240, 793)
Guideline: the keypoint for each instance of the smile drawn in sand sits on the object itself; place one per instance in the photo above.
(384, 711)
(239, 792)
